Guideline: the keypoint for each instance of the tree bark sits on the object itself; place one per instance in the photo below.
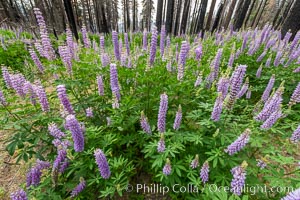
(229, 14)
(178, 12)
(184, 16)
(71, 19)
(292, 21)
(202, 10)
(159, 14)
(241, 14)
(249, 12)
(169, 19)
(210, 14)
(218, 17)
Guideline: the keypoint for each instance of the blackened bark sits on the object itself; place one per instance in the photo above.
(133, 15)
(159, 14)
(249, 12)
(202, 10)
(178, 12)
(292, 21)
(169, 19)
(128, 16)
(229, 14)
(218, 17)
(210, 14)
(184, 16)
(71, 19)
(241, 14)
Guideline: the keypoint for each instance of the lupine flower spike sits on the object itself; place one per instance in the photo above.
(178, 118)
(167, 168)
(204, 172)
(145, 124)
(78, 188)
(102, 163)
(161, 144)
(195, 162)
(239, 177)
(239, 143)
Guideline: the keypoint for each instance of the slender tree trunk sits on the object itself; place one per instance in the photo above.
(159, 14)
(292, 21)
(184, 16)
(210, 15)
(71, 19)
(285, 13)
(169, 19)
(256, 13)
(260, 14)
(178, 12)
(133, 15)
(218, 17)
(200, 25)
(229, 14)
(128, 16)
(241, 14)
(278, 12)
(249, 12)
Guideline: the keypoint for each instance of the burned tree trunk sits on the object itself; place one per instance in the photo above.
(292, 21)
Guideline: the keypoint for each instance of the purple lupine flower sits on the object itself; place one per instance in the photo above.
(116, 45)
(272, 119)
(271, 105)
(123, 59)
(176, 52)
(115, 102)
(19, 195)
(248, 94)
(161, 144)
(168, 42)
(102, 43)
(55, 131)
(195, 162)
(245, 40)
(89, 112)
(216, 63)
(17, 82)
(95, 46)
(163, 107)
(270, 43)
(145, 40)
(294, 195)
(277, 58)
(114, 83)
(198, 80)
(182, 59)
(223, 85)
(217, 110)
(28, 89)
(244, 88)
(120, 46)
(78, 188)
(64, 165)
(238, 181)
(85, 37)
(36, 60)
(295, 41)
(6, 77)
(178, 118)
(66, 57)
(60, 158)
(2, 99)
(261, 164)
(198, 52)
(231, 60)
(261, 56)
(162, 40)
(127, 44)
(100, 85)
(295, 98)
(167, 168)
(64, 100)
(153, 46)
(70, 42)
(33, 177)
(236, 82)
(105, 59)
(239, 143)
(296, 135)
(297, 70)
(204, 172)
(268, 89)
(40, 164)
(258, 72)
(40, 49)
(268, 62)
(102, 163)
(45, 39)
(145, 124)
(41, 94)
(77, 133)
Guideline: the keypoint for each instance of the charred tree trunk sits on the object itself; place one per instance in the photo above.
(202, 10)
(133, 15)
(159, 14)
(169, 19)
(249, 12)
(127, 16)
(178, 12)
(241, 14)
(71, 19)
(292, 21)
(229, 14)
(184, 16)
(210, 14)
(218, 17)
(277, 13)
(260, 14)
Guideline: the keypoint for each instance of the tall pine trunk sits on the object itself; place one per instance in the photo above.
(292, 21)
(210, 15)
(159, 14)
(169, 19)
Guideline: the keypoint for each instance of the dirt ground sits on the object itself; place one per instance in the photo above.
(11, 175)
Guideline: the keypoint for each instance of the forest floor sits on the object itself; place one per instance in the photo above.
(11, 175)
